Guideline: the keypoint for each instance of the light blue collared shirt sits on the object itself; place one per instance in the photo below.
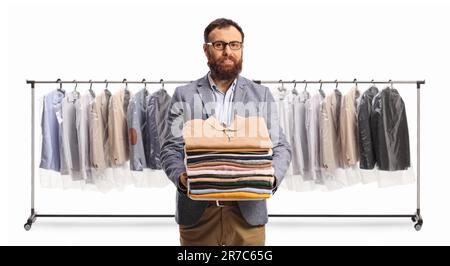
(224, 101)
(50, 153)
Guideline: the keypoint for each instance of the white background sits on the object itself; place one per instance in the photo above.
(402, 40)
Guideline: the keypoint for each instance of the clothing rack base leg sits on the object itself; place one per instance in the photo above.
(417, 218)
(30, 220)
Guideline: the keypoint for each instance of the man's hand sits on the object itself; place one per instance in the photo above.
(183, 179)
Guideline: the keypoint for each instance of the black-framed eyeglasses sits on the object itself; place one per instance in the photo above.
(220, 45)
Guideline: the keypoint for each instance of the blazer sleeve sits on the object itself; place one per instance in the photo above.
(282, 151)
(172, 146)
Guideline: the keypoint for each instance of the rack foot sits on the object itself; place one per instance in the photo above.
(417, 219)
(30, 221)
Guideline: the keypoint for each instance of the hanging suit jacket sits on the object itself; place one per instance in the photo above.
(365, 138)
(158, 104)
(348, 128)
(330, 146)
(146, 118)
(117, 127)
(98, 131)
(196, 101)
(390, 131)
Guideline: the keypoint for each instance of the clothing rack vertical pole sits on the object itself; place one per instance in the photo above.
(32, 217)
(418, 218)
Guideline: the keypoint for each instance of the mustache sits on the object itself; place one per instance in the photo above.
(228, 58)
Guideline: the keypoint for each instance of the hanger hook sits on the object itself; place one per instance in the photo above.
(60, 83)
(373, 82)
(106, 81)
(162, 83)
(295, 84)
(90, 87)
(126, 83)
(145, 83)
(336, 83)
(320, 81)
(76, 84)
(392, 83)
(306, 84)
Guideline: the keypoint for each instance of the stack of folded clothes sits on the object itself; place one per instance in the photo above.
(228, 163)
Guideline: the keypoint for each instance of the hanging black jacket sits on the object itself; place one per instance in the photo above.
(366, 149)
(390, 131)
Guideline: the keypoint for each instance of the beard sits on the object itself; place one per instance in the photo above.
(221, 72)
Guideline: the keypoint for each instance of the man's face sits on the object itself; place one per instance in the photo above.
(225, 64)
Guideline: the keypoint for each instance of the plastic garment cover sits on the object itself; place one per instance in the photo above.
(366, 149)
(390, 131)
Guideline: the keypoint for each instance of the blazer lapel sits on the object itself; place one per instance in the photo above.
(206, 95)
(239, 98)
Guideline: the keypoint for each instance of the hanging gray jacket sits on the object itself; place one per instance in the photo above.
(157, 106)
(146, 117)
(390, 131)
(366, 149)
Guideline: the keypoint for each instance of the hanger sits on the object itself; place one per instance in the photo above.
(294, 90)
(306, 85)
(145, 83)
(356, 82)
(107, 92)
(337, 83)
(392, 84)
(320, 88)
(90, 89)
(75, 93)
(60, 86)
(162, 84)
(126, 84)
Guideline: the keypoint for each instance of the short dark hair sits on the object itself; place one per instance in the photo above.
(221, 23)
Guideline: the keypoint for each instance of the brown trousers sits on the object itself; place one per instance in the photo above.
(222, 226)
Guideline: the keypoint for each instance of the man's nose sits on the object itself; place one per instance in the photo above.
(226, 50)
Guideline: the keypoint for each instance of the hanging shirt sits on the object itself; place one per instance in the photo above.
(50, 152)
(224, 101)
(70, 159)
(82, 124)
(312, 118)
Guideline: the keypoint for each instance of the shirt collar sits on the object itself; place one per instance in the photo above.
(214, 86)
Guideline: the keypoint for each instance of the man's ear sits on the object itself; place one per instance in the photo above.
(205, 49)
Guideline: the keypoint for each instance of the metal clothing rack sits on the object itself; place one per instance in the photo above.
(415, 217)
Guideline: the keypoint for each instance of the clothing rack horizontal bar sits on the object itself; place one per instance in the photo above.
(257, 81)
(107, 215)
(270, 215)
